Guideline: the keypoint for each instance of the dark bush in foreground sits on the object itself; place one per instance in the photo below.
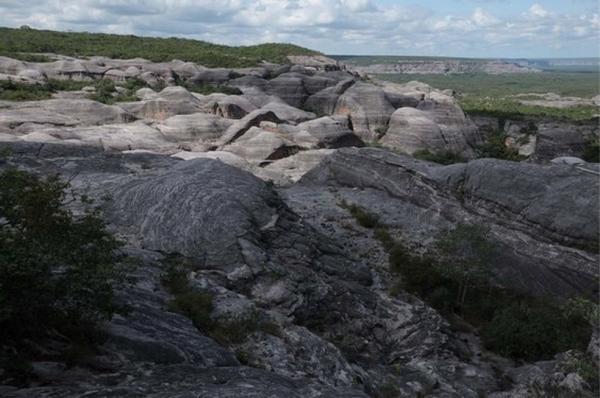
(56, 269)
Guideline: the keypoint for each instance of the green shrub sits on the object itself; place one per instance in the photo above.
(466, 252)
(362, 216)
(495, 148)
(441, 157)
(207, 89)
(13, 91)
(533, 330)
(195, 305)
(458, 284)
(591, 152)
(56, 269)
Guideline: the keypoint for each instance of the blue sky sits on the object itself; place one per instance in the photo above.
(465, 28)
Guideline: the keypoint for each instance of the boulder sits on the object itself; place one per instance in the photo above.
(254, 118)
(555, 139)
(169, 102)
(19, 116)
(437, 124)
(290, 88)
(323, 102)
(108, 137)
(294, 167)
(260, 147)
(325, 132)
(194, 127)
(228, 106)
(214, 76)
(288, 113)
(368, 109)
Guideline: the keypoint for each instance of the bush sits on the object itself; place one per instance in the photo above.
(591, 152)
(13, 91)
(196, 305)
(534, 330)
(56, 269)
(441, 157)
(495, 148)
(363, 217)
(459, 284)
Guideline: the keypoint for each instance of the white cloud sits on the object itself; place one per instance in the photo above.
(333, 26)
(538, 11)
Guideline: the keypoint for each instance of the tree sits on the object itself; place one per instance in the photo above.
(466, 252)
(56, 269)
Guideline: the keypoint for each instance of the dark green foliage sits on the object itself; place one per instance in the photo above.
(362, 216)
(442, 157)
(106, 91)
(56, 269)
(532, 330)
(512, 324)
(196, 305)
(207, 89)
(495, 148)
(234, 330)
(154, 49)
(14, 91)
(193, 303)
(591, 152)
(28, 57)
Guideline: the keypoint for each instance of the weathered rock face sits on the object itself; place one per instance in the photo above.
(542, 139)
(368, 109)
(323, 102)
(412, 130)
(517, 200)
(23, 117)
(296, 259)
(325, 132)
(198, 127)
(563, 139)
(258, 146)
(431, 121)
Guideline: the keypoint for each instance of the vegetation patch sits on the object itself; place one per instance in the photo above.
(80, 44)
(495, 147)
(511, 109)
(591, 152)
(441, 157)
(455, 279)
(363, 217)
(56, 271)
(197, 305)
(206, 89)
(492, 95)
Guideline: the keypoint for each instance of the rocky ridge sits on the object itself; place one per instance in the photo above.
(183, 174)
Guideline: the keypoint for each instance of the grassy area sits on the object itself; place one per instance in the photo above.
(14, 41)
(492, 94)
(584, 85)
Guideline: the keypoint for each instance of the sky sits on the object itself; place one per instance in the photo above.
(457, 28)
